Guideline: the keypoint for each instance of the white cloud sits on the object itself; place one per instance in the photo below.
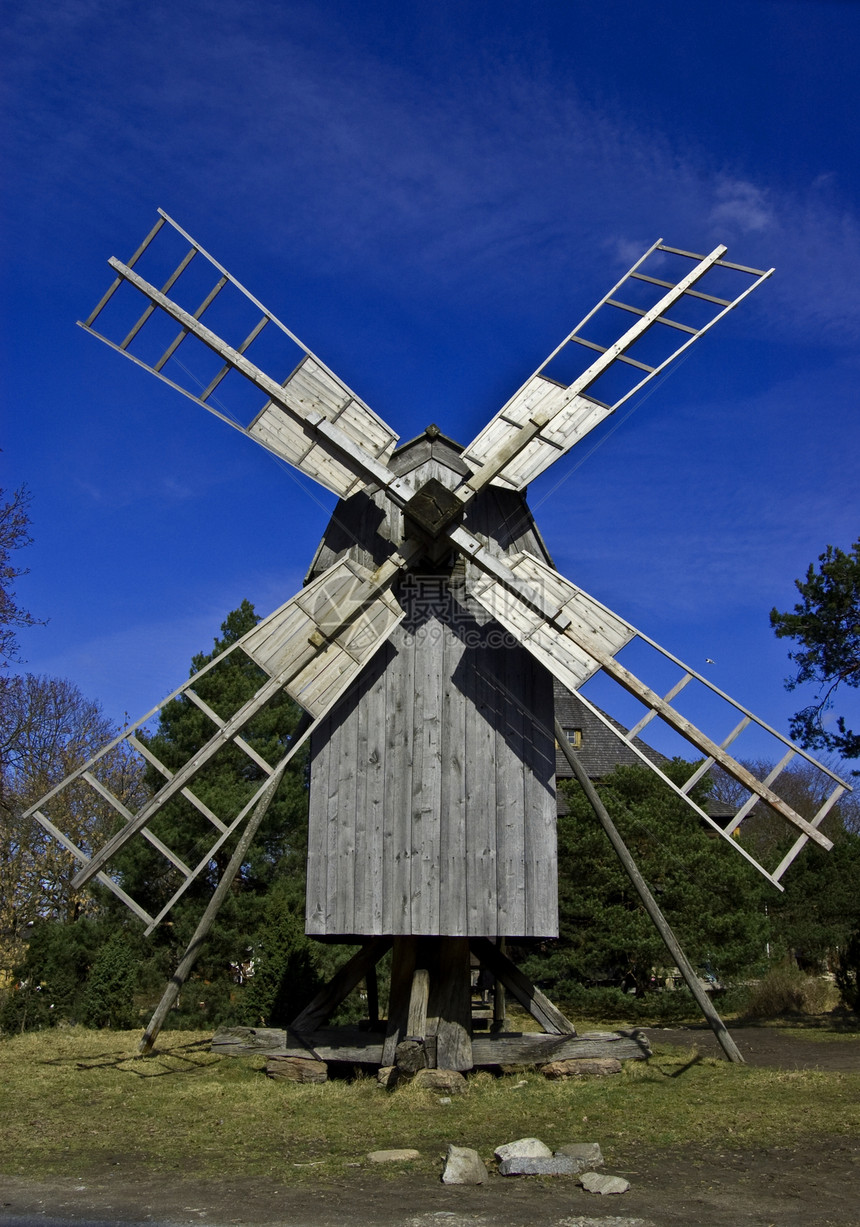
(741, 206)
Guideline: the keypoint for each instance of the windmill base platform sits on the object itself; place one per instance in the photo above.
(431, 1021)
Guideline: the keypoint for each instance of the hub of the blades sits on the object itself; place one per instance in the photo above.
(433, 508)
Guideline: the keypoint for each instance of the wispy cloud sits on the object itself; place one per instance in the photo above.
(348, 163)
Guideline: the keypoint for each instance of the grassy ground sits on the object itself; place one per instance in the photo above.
(73, 1101)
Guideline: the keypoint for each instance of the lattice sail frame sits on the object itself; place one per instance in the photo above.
(575, 636)
(313, 648)
(545, 418)
(316, 644)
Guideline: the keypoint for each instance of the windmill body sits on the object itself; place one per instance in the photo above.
(432, 799)
(422, 651)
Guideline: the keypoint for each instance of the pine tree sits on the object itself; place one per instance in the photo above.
(709, 895)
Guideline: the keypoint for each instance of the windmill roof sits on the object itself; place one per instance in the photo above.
(432, 444)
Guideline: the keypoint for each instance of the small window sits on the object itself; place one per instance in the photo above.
(574, 737)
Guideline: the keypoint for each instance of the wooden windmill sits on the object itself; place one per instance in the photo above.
(422, 651)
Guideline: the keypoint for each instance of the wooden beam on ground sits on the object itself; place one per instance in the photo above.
(352, 1046)
(536, 1049)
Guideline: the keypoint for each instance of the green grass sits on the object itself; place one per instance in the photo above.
(74, 1101)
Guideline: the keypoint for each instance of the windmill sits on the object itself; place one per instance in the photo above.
(422, 651)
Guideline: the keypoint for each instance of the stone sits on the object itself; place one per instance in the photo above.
(297, 1069)
(463, 1166)
(387, 1076)
(555, 1165)
(410, 1056)
(393, 1156)
(587, 1152)
(584, 1220)
(599, 1182)
(449, 1081)
(525, 1148)
(581, 1067)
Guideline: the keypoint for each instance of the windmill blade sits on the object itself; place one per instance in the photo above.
(575, 636)
(312, 419)
(313, 647)
(549, 414)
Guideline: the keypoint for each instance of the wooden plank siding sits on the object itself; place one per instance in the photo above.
(432, 803)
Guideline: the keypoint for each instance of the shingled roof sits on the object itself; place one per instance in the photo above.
(600, 751)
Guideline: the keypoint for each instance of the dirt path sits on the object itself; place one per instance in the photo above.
(768, 1046)
(812, 1186)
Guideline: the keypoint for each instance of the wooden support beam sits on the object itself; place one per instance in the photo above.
(527, 994)
(693, 982)
(449, 1010)
(349, 1045)
(188, 960)
(500, 1012)
(402, 971)
(416, 1021)
(536, 1049)
(340, 985)
(371, 982)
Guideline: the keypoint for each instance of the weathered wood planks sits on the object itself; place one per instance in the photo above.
(351, 1046)
(432, 807)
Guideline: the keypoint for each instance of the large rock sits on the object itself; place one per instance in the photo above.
(581, 1067)
(598, 1182)
(588, 1153)
(525, 1148)
(387, 1076)
(463, 1166)
(449, 1081)
(555, 1165)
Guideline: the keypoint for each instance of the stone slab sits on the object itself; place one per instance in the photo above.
(393, 1156)
(587, 1152)
(555, 1165)
(581, 1067)
(523, 1148)
(449, 1081)
(599, 1182)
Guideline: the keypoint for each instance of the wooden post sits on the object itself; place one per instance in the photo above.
(371, 983)
(402, 971)
(416, 1022)
(410, 1054)
(449, 1010)
(500, 1012)
(703, 1001)
(192, 952)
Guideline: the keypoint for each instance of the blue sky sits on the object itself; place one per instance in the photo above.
(431, 196)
